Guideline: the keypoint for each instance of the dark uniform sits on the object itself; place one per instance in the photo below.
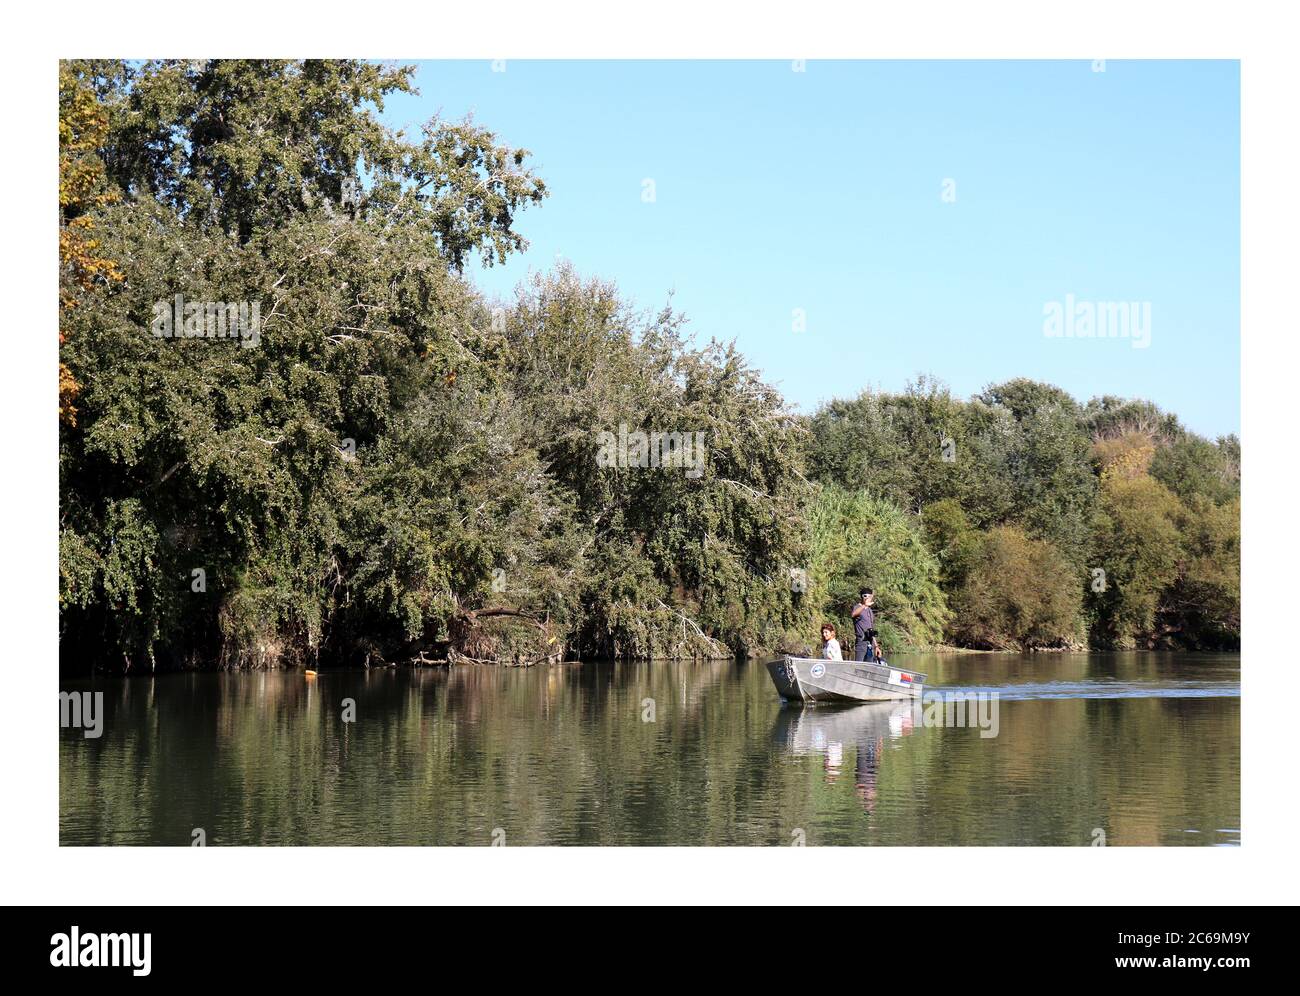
(864, 629)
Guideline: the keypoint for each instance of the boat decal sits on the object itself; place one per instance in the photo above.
(818, 670)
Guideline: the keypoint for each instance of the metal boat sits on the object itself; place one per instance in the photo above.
(810, 679)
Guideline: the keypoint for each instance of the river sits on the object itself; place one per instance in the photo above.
(1120, 749)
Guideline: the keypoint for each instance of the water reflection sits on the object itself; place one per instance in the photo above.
(1144, 746)
(831, 732)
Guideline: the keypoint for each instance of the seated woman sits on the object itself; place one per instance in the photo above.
(830, 645)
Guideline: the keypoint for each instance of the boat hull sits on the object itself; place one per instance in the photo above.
(806, 679)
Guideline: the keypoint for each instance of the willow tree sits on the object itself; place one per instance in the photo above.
(682, 541)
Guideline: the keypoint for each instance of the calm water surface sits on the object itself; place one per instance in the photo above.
(1143, 747)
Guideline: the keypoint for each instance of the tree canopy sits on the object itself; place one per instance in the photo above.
(292, 431)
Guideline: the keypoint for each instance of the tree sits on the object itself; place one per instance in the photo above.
(1110, 416)
(948, 533)
(1015, 453)
(275, 470)
(682, 560)
(1202, 609)
(914, 448)
(1053, 486)
(244, 145)
(291, 431)
(83, 188)
(1191, 466)
(1167, 534)
(1138, 546)
(1020, 593)
(1127, 456)
(1024, 398)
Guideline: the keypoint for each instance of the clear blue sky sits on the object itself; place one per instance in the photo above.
(821, 190)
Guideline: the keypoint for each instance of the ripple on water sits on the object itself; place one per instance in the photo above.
(1100, 690)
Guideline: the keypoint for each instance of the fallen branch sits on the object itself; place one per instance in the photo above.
(709, 641)
(454, 657)
(422, 661)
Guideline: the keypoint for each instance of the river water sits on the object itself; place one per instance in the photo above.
(1125, 749)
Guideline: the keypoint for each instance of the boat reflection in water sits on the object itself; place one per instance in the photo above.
(829, 732)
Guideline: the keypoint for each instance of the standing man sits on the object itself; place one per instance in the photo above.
(864, 627)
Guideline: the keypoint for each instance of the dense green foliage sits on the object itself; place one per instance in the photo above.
(393, 468)
(1055, 524)
(656, 559)
(855, 536)
(1018, 592)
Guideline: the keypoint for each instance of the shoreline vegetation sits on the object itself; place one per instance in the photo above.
(371, 463)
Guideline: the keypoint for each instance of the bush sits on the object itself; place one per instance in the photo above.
(1019, 594)
(858, 540)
